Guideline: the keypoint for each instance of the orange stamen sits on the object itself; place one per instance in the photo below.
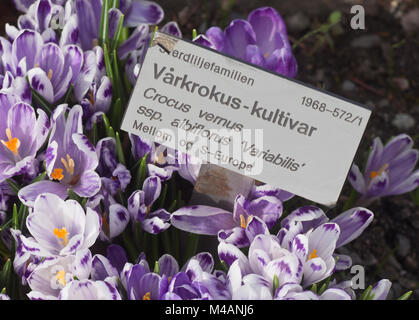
(313, 255)
(61, 234)
(13, 144)
(147, 296)
(57, 174)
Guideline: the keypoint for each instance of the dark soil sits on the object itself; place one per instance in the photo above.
(383, 74)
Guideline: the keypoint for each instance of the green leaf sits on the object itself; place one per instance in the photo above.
(194, 34)
(117, 37)
(15, 218)
(156, 267)
(73, 196)
(275, 283)
(119, 149)
(108, 64)
(39, 178)
(142, 172)
(366, 294)
(314, 288)
(108, 128)
(6, 272)
(406, 296)
(104, 23)
(42, 102)
(335, 17)
(15, 188)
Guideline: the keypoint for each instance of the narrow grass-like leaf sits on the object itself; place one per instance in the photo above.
(15, 188)
(117, 37)
(42, 102)
(15, 218)
(366, 294)
(104, 23)
(119, 149)
(406, 296)
(39, 178)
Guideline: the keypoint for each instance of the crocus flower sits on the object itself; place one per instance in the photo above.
(293, 291)
(71, 160)
(115, 176)
(115, 217)
(38, 17)
(380, 290)
(261, 39)
(90, 290)
(161, 160)
(51, 275)
(21, 135)
(389, 170)
(249, 218)
(304, 220)
(135, 12)
(59, 228)
(50, 68)
(24, 5)
(140, 207)
(134, 48)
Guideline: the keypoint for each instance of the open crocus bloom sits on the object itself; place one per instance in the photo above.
(140, 207)
(51, 275)
(60, 227)
(389, 169)
(261, 40)
(71, 160)
(249, 218)
(21, 135)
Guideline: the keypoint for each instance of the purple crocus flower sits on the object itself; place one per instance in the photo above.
(304, 220)
(115, 176)
(22, 134)
(380, 290)
(249, 218)
(59, 227)
(114, 216)
(161, 160)
(140, 207)
(71, 160)
(52, 275)
(88, 13)
(196, 280)
(24, 5)
(267, 262)
(39, 17)
(261, 39)
(50, 69)
(389, 170)
(136, 45)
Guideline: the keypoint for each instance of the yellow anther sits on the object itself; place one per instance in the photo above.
(13, 144)
(266, 55)
(57, 174)
(161, 159)
(62, 235)
(61, 278)
(244, 222)
(147, 296)
(313, 255)
(68, 165)
(50, 73)
(373, 174)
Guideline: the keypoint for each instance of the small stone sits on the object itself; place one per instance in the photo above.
(403, 121)
(410, 21)
(366, 42)
(401, 83)
(403, 245)
(349, 86)
(297, 22)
